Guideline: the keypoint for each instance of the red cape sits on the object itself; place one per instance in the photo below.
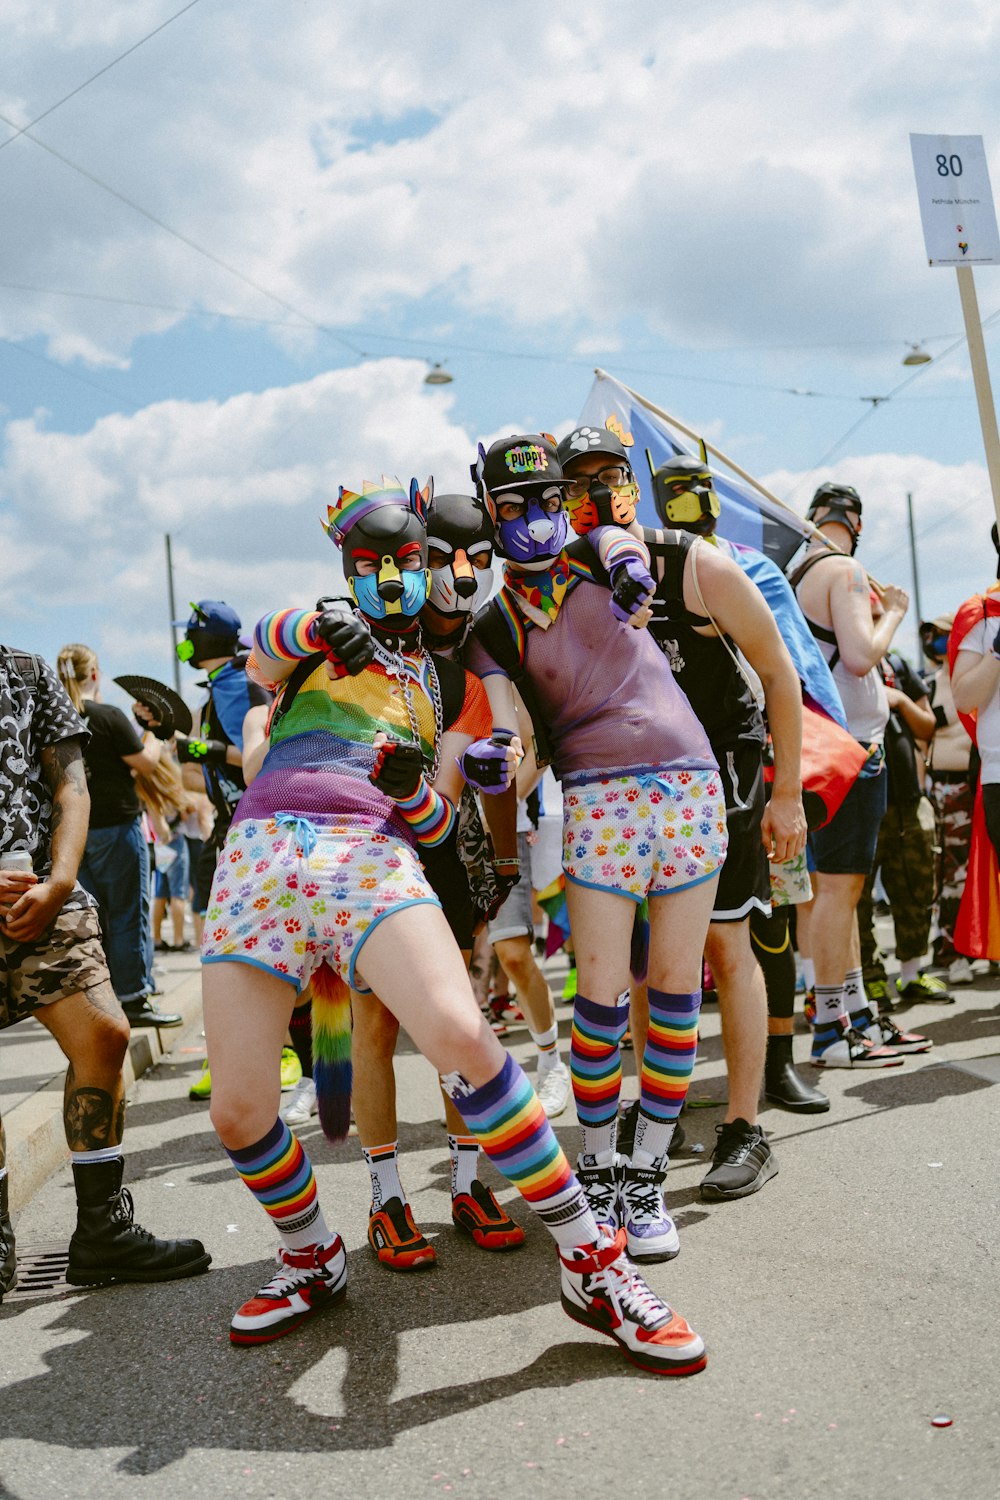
(977, 928)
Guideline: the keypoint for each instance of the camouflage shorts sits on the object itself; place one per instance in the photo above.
(67, 958)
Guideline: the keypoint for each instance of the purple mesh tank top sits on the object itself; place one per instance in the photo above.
(609, 697)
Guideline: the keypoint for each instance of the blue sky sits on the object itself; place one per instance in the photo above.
(715, 205)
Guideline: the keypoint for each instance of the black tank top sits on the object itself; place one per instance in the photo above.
(715, 687)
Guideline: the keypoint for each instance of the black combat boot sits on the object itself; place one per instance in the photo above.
(784, 1086)
(108, 1246)
(8, 1256)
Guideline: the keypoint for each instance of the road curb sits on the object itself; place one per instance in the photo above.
(36, 1145)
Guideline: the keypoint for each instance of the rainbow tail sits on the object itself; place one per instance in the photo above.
(331, 1032)
(639, 958)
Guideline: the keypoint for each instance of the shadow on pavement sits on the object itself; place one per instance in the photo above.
(224, 1397)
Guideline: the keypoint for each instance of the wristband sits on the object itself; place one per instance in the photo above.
(430, 815)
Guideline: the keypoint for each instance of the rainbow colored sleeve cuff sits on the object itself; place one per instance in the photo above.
(287, 634)
(430, 815)
(614, 546)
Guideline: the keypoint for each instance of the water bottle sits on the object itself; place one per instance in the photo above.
(17, 859)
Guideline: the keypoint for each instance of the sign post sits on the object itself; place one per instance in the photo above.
(960, 230)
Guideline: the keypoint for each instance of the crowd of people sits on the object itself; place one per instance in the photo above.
(744, 769)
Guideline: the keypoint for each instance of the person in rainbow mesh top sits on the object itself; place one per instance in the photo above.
(321, 869)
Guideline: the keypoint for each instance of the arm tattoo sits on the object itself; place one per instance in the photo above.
(859, 580)
(63, 764)
(91, 1119)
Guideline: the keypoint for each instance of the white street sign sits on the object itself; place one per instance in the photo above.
(956, 200)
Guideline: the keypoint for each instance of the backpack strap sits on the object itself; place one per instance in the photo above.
(451, 679)
(818, 632)
(494, 632)
(286, 697)
(27, 667)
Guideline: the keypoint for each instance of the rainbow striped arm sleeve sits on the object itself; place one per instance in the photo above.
(615, 546)
(430, 815)
(287, 635)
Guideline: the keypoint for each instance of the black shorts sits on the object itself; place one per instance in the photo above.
(745, 882)
(204, 873)
(446, 874)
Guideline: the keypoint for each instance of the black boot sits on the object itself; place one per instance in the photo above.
(8, 1257)
(107, 1246)
(782, 1085)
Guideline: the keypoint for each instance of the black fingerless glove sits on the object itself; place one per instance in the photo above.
(398, 769)
(345, 640)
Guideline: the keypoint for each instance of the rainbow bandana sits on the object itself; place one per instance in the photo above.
(544, 591)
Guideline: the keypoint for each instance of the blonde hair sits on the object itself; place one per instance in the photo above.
(162, 789)
(74, 665)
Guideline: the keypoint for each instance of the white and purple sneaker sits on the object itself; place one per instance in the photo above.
(650, 1232)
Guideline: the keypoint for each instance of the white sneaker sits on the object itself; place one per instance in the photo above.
(960, 971)
(302, 1105)
(599, 1180)
(553, 1087)
(602, 1290)
(650, 1232)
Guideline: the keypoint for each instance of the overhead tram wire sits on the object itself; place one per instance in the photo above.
(185, 239)
(69, 374)
(422, 342)
(23, 129)
(487, 351)
(877, 401)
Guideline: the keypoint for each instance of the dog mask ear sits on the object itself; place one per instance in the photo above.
(420, 499)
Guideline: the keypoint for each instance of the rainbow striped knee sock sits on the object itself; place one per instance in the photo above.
(511, 1127)
(595, 1060)
(666, 1071)
(279, 1174)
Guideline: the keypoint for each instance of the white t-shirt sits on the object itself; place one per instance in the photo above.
(980, 640)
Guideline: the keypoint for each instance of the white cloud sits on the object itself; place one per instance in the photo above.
(729, 172)
(953, 513)
(240, 485)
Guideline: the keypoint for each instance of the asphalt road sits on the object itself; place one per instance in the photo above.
(844, 1306)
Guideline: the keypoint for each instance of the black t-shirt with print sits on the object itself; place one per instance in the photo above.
(113, 796)
(35, 712)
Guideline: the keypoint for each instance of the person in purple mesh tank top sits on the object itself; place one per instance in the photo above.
(643, 815)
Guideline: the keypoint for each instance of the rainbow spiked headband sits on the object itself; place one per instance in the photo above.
(350, 507)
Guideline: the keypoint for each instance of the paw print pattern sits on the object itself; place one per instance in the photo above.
(289, 918)
(585, 439)
(636, 840)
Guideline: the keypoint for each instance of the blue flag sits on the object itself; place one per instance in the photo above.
(747, 516)
(757, 533)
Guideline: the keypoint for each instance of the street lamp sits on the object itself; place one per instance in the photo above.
(438, 375)
(917, 356)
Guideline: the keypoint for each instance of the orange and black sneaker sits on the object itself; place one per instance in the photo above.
(396, 1240)
(479, 1215)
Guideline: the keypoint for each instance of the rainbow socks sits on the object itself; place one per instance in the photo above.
(666, 1069)
(595, 1061)
(511, 1127)
(279, 1174)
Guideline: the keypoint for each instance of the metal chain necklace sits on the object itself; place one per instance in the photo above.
(396, 667)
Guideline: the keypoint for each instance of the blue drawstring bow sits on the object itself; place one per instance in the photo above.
(305, 834)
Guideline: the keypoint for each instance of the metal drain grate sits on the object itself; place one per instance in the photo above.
(41, 1272)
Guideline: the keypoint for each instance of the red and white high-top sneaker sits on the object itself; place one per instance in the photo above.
(602, 1289)
(307, 1282)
